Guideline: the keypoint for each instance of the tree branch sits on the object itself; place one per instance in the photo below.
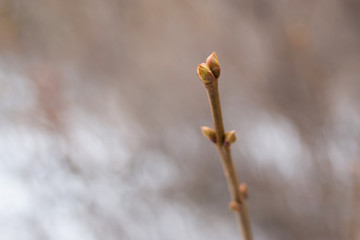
(209, 73)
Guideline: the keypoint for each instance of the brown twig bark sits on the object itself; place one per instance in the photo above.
(223, 142)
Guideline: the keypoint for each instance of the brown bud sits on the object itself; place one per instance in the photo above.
(205, 74)
(209, 133)
(243, 189)
(230, 138)
(235, 206)
(213, 63)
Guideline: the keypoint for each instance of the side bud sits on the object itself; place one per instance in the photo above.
(244, 190)
(230, 138)
(235, 206)
(209, 133)
(213, 63)
(205, 74)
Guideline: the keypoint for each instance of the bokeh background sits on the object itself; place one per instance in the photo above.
(101, 108)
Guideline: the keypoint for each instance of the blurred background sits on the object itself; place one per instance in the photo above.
(101, 111)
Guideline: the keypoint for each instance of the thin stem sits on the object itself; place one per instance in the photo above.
(214, 100)
(227, 163)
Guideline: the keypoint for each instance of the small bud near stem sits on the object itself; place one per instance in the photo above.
(230, 138)
(235, 206)
(209, 133)
(244, 190)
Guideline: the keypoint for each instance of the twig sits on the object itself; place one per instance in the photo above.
(209, 73)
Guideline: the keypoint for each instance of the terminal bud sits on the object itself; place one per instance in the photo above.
(205, 74)
(213, 63)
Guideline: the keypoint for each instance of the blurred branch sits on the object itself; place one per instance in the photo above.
(209, 73)
(355, 208)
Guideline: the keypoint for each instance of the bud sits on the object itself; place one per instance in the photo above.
(213, 63)
(209, 133)
(230, 138)
(205, 74)
(235, 206)
(243, 189)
